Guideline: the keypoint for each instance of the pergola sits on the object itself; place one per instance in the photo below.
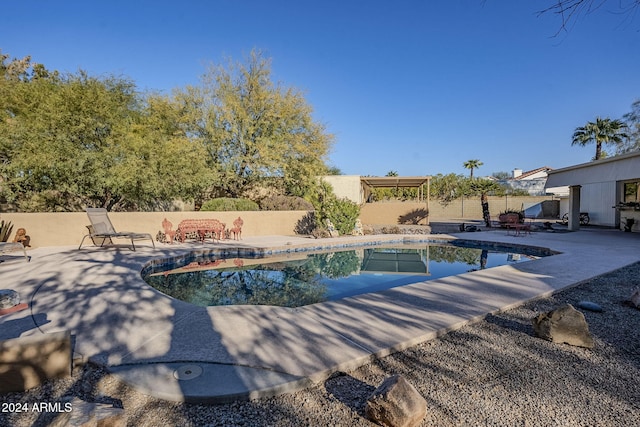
(398, 182)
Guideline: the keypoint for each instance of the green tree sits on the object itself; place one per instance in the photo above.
(334, 170)
(447, 188)
(501, 175)
(484, 187)
(632, 120)
(69, 141)
(602, 131)
(256, 132)
(471, 165)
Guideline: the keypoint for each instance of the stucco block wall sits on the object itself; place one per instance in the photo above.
(389, 212)
(68, 228)
(467, 208)
(346, 186)
(470, 208)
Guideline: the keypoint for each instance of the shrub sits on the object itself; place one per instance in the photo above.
(229, 204)
(307, 224)
(342, 213)
(285, 203)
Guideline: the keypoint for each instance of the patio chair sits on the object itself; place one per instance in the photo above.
(168, 232)
(13, 246)
(103, 229)
(237, 229)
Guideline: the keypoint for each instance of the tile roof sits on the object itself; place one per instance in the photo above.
(533, 172)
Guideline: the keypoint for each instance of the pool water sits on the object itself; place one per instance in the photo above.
(298, 279)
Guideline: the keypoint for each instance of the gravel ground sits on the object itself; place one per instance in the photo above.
(491, 373)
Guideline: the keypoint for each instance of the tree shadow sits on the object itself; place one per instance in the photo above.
(413, 217)
(501, 347)
(352, 392)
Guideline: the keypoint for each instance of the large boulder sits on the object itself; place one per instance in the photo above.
(396, 403)
(8, 298)
(635, 298)
(564, 325)
(28, 362)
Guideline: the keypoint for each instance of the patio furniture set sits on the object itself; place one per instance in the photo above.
(201, 229)
(102, 232)
(512, 222)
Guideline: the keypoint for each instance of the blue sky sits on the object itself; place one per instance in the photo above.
(417, 87)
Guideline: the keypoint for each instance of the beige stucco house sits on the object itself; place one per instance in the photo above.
(608, 189)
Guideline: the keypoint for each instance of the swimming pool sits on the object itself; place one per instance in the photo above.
(298, 279)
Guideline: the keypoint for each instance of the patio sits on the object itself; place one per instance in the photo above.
(177, 351)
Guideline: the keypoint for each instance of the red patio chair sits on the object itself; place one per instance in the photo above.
(237, 229)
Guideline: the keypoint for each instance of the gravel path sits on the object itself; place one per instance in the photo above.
(491, 373)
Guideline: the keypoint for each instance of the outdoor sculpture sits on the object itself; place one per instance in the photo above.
(332, 229)
(21, 237)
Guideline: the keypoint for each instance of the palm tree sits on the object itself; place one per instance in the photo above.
(605, 131)
(471, 165)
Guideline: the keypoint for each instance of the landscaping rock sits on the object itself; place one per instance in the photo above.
(563, 325)
(591, 306)
(28, 362)
(396, 403)
(635, 298)
(8, 298)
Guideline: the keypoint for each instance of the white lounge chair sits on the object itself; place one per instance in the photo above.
(13, 246)
(103, 229)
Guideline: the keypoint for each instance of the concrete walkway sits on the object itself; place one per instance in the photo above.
(176, 351)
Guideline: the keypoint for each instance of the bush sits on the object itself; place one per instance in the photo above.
(229, 204)
(285, 203)
(342, 213)
(307, 224)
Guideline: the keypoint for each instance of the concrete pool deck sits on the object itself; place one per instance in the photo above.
(176, 351)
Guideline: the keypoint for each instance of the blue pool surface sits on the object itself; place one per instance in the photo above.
(310, 278)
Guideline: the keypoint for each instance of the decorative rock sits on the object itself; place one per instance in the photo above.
(591, 306)
(563, 325)
(396, 403)
(8, 298)
(27, 362)
(635, 298)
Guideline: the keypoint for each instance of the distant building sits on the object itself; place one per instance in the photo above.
(533, 182)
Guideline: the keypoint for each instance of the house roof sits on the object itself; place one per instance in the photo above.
(616, 168)
(526, 174)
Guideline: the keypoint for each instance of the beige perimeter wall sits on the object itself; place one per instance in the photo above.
(470, 208)
(390, 212)
(62, 229)
(68, 228)
(467, 208)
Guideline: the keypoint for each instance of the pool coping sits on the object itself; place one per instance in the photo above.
(242, 352)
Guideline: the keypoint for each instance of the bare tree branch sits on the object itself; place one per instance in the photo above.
(570, 10)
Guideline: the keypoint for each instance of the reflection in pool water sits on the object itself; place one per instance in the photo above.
(312, 278)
